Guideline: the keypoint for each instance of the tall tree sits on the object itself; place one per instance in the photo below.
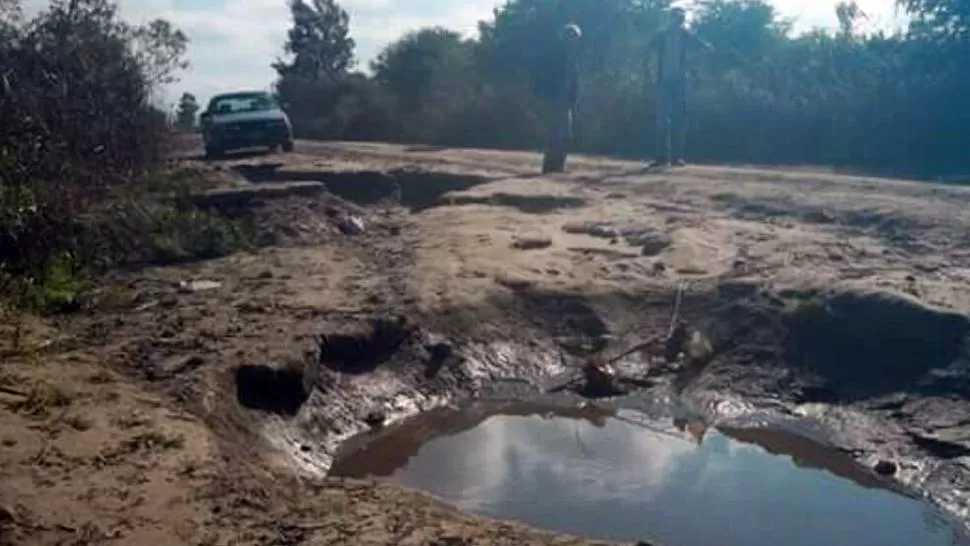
(948, 19)
(423, 62)
(186, 111)
(320, 54)
(848, 13)
(160, 49)
(319, 42)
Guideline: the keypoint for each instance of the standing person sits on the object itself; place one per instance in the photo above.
(670, 48)
(558, 87)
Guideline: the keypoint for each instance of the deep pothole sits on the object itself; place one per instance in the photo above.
(803, 342)
(416, 190)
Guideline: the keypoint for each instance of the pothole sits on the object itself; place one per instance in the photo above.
(282, 391)
(529, 204)
(363, 352)
(417, 190)
(622, 476)
(865, 345)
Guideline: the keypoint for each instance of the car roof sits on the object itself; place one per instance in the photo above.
(243, 93)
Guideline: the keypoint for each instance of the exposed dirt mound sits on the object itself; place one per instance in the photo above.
(863, 345)
(301, 220)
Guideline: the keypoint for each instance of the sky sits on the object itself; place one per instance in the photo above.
(233, 42)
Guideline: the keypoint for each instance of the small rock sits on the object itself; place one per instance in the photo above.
(440, 350)
(7, 516)
(532, 242)
(885, 468)
(513, 282)
(189, 287)
(654, 244)
(267, 274)
(168, 301)
(305, 448)
(659, 268)
(594, 229)
(351, 225)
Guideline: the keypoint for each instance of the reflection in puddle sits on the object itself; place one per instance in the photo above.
(592, 473)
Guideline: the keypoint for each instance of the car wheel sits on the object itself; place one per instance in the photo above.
(288, 146)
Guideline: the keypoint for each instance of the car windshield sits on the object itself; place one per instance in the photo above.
(242, 102)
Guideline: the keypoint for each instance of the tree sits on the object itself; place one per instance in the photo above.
(423, 64)
(186, 111)
(76, 121)
(848, 13)
(160, 50)
(320, 55)
(947, 19)
(319, 42)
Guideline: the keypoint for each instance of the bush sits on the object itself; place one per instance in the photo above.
(76, 124)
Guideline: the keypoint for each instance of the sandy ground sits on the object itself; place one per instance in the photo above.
(127, 425)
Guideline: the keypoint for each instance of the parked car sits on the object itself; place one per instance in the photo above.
(245, 119)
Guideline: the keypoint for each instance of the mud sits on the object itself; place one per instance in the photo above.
(811, 318)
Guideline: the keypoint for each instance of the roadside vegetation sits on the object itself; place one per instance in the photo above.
(892, 102)
(84, 183)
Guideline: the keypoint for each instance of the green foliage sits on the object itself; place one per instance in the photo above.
(319, 42)
(76, 125)
(159, 49)
(56, 289)
(133, 232)
(313, 80)
(888, 103)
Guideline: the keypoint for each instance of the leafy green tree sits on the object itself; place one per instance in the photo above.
(186, 111)
(425, 64)
(75, 121)
(160, 50)
(320, 54)
(319, 42)
(943, 19)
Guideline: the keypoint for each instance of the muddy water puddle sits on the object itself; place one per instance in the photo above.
(624, 477)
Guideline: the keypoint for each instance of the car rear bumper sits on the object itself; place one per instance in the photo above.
(245, 138)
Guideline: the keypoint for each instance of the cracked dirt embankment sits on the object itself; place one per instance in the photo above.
(833, 303)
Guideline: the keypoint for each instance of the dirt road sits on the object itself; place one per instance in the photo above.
(208, 413)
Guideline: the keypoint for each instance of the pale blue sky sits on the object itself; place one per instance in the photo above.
(234, 41)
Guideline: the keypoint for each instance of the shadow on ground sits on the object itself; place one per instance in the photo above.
(417, 190)
(279, 391)
(529, 204)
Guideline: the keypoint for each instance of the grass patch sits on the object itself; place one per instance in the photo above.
(152, 441)
(41, 400)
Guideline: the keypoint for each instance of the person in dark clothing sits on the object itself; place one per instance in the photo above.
(671, 47)
(558, 87)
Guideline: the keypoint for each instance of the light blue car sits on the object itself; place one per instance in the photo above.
(245, 119)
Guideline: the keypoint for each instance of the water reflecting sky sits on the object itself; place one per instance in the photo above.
(624, 482)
